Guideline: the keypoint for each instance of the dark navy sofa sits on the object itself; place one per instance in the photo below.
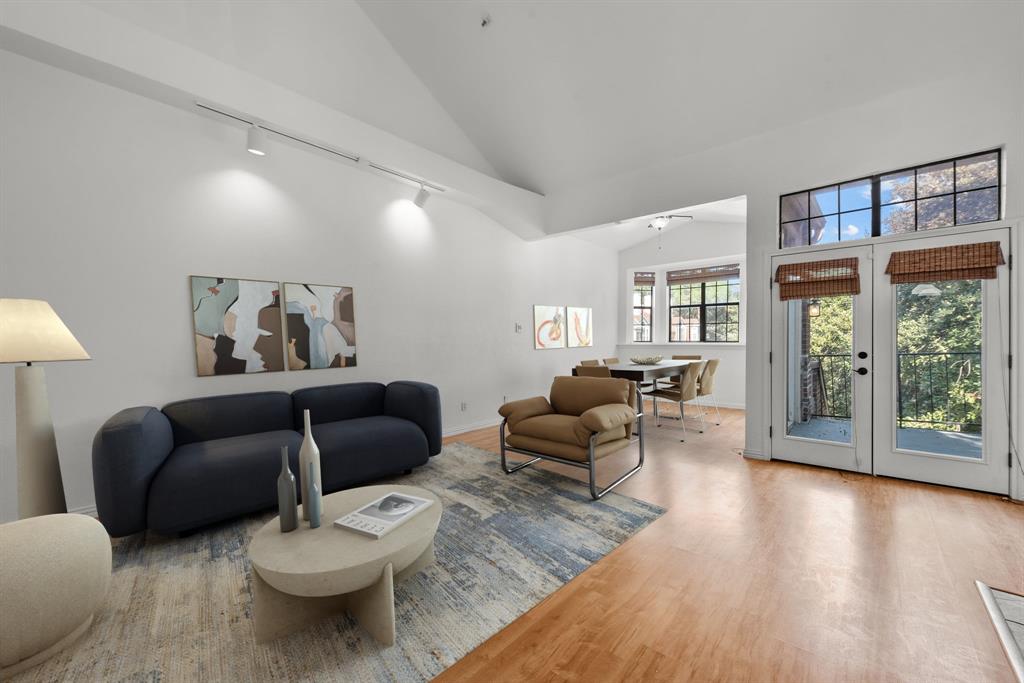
(209, 459)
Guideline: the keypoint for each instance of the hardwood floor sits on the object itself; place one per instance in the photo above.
(771, 571)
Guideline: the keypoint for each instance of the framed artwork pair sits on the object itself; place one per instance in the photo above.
(559, 327)
(245, 326)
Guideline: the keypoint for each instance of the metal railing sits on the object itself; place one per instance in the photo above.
(936, 389)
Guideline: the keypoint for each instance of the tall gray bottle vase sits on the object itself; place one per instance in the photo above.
(315, 501)
(287, 505)
(309, 454)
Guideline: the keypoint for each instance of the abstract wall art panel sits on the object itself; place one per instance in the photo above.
(321, 326)
(548, 327)
(580, 325)
(237, 326)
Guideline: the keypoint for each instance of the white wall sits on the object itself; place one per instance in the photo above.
(111, 200)
(694, 244)
(962, 114)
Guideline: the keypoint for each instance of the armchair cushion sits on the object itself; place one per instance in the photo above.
(605, 418)
(567, 429)
(566, 450)
(515, 412)
(577, 395)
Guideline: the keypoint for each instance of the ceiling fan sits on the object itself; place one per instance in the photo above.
(659, 222)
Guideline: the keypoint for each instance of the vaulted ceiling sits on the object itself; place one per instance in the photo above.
(558, 93)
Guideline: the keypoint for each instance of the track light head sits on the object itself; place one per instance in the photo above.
(421, 197)
(256, 141)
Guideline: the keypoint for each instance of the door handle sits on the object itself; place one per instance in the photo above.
(862, 355)
(861, 371)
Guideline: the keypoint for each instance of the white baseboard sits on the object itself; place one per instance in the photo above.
(89, 510)
(462, 429)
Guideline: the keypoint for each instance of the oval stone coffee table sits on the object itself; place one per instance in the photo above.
(308, 574)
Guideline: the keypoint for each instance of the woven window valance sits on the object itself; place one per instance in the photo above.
(706, 274)
(958, 262)
(643, 279)
(818, 278)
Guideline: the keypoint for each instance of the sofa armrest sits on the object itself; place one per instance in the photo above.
(515, 412)
(607, 417)
(126, 453)
(417, 402)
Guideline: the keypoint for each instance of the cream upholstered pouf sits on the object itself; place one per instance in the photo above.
(54, 575)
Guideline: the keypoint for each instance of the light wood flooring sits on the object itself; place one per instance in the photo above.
(771, 571)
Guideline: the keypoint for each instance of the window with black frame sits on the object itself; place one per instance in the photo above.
(942, 194)
(643, 307)
(704, 304)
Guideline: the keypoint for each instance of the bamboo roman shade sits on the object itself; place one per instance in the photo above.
(818, 278)
(958, 262)
(706, 274)
(643, 279)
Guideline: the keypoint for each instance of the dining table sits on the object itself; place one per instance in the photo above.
(648, 373)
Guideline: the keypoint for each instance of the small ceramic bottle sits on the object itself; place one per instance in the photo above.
(308, 454)
(287, 505)
(315, 501)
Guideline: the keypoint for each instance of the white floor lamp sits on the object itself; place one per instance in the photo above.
(31, 332)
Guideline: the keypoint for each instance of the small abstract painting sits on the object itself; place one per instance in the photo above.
(237, 326)
(581, 327)
(548, 327)
(321, 326)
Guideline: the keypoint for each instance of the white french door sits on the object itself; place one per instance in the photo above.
(821, 406)
(942, 374)
(905, 380)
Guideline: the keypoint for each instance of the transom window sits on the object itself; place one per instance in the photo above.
(938, 195)
(643, 307)
(704, 304)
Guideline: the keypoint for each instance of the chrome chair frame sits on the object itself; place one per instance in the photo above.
(589, 464)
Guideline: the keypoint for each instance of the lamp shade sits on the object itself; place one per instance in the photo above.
(31, 331)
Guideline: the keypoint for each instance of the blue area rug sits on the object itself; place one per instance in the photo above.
(180, 609)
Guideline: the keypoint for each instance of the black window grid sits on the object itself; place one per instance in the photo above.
(877, 205)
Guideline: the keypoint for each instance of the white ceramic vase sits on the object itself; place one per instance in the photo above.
(309, 453)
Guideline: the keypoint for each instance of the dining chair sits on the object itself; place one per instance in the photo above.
(591, 371)
(685, 391)
(675, 380)
(706, 385)
(611, 361)
(590, 362)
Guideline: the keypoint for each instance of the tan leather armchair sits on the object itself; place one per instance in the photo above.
(585, 419)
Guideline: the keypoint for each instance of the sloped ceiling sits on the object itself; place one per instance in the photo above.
(559, 93)
(328, 51)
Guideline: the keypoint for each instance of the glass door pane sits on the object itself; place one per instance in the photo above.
(820, 367)
(938, 367)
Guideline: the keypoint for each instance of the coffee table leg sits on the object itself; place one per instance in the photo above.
(277, 614)
(374, 607)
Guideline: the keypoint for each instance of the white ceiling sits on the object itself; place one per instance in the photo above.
(627, 233)
(558, 93)
(327, 50)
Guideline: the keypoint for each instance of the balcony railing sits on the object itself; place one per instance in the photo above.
(936, 390)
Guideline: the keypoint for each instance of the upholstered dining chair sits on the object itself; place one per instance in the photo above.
(582, 421)
(589, 371)
(706, 386)
(611, 361)
(590, 362)
(685, 391)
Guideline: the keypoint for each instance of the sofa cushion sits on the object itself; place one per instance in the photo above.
(576, 395)
(366, 448)
(221, 417)
(338, 402)
(206, 482)
(564, 429)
